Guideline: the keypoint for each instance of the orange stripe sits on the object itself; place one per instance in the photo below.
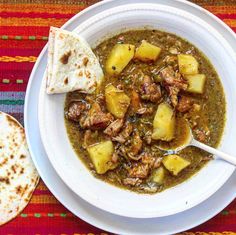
(230, 22)
(42, 186)
(27, 21)
(221, 9)
(49, 8)
(18, 59)
(43, 199)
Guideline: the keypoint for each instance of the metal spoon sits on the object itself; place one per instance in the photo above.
(190, 141)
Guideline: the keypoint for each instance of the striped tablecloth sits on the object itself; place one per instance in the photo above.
(24, 28)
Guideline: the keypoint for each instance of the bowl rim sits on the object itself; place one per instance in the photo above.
(42, 132)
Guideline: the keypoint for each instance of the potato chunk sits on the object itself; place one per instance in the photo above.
(117, 101)
(196, 83)
(147, 52)
(101, 155)
(175, 163)
(158, 175)
(164, 123)
(187, 64)
(119, 57)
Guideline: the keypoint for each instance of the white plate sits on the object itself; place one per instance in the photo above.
(114, 199)
(104, 220)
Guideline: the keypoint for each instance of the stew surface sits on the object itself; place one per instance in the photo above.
(152, 81)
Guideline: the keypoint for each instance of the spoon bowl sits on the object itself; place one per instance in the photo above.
(184, 138)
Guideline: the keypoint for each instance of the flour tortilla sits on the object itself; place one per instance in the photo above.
(18, 176)
(71, 64)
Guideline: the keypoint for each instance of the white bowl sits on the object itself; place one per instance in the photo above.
(123, 202)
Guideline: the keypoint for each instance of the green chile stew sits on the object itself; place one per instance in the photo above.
(116, 125)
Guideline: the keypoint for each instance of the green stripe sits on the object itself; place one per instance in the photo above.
(44, 38)
(50, 215)
(37, 215)
(12, 102)
(63, 214)
(32, 37)
(224, 212)
(18, 37)
(23, 215)
(5, 37)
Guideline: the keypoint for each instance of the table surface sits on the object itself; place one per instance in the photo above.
(23, 33)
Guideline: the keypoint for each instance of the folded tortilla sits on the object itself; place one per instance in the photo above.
(71, 64)
(18, 176)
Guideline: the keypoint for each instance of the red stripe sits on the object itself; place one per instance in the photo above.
(26, 44)
(13, 66)
(226, 16)
(36, 14)
(19, 52)
(42, 192)
(24, 30)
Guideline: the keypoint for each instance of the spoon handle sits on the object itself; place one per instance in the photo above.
(214, 151)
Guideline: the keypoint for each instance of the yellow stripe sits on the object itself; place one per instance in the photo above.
(44, 199)
(27, 21)
(18, 59)
(49, 8)
(221, 9)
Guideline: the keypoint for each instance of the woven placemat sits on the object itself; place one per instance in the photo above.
(24, 28)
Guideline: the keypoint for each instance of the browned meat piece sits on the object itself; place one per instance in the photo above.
(207, 158)
(148, 137)
(145, 110)
(173, 92)
(136, 144)
(132, 181)
(150, 90)
(96, 118)
(87, 138)
(201, 135)
(115, 157)
(75, 110)
(172, 78)
(148, 158)
(135, 103)
(124, 135)
(185, 104)
(139, 171)
(114, 128)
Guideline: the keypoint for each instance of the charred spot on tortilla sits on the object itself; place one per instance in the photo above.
(87, 74)
(13, 168)
(66, 81)
(4, 180)
(85, 61)
(22, 156)
(4, 162)
(22, 170)
(65, 58)
(80, 74)
(11, 156)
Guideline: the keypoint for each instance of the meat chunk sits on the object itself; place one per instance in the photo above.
(172, 78)
(75, 110)
(125, 133)
(201, 135)
(132, 181)
(185, 104)
(96, 118)
(150, 90)
(87, 138)
(173, 93)
(139, 170)
(173, 83)
(114, 128)
(145, 110)
(148, 159)
(136, 144)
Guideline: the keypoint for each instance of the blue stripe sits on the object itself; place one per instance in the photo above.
(4, 95)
